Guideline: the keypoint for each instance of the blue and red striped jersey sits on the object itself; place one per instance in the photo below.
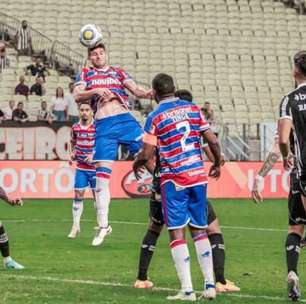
(177, 125)
(84, 143)
(111, 78)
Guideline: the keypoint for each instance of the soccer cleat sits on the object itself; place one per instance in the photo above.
(227, 287)
(75, 230)
(100, 235)
(12, 264)
(143, 284)
(294, 292)
(209, 293)
(183, 296)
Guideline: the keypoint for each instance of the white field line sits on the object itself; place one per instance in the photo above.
(133, 223)
(113, 284)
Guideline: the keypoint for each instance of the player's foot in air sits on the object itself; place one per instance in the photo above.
(100, 235)
(183, 296)
(9, 263)
(209, 293)
(143, 284)
(227, 287)
(75, 230)
(294, 292)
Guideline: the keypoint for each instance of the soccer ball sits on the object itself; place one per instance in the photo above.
(90, 35)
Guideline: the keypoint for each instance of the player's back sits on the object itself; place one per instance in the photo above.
(294, 105)
(178, 125)
(84, 138)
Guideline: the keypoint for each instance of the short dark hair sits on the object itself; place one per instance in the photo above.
(96, 46)
(184, 94)
(84, 102)
(163, 84)
(300, 61)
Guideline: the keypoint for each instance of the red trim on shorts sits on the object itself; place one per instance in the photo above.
(103, 175)
(176, 243)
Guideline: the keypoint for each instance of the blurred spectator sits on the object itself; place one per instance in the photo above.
(72, 107)
(21, 88)
(59, 105)
(8, 111)
(4, 35)
(137, 105)
(44, 114)
(19, 114)
(37, 68)
(3, 60)
(148, 110)
(210, 116)
(24, 39)
(38, 87)
(2, 117)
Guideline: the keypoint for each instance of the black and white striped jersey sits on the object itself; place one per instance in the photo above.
(293, 106)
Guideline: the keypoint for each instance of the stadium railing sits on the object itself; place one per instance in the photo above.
(68, 61)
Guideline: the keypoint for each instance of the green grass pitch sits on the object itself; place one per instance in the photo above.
(59, 270)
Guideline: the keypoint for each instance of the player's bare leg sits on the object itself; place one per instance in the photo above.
(102, 195)
(146, 253)
(218, 251)
(295, 234)
(204, 255)
(77, 210)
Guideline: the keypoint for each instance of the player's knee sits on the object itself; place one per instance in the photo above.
(79, 194)
(214, 227)
(297, 229)
(156, 228)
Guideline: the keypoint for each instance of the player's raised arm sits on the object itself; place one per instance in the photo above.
(137, 90)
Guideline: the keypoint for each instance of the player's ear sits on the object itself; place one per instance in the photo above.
(154, 95)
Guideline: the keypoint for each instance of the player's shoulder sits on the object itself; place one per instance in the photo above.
(75, 126)
(293, 95)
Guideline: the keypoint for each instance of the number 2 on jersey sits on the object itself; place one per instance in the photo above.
(184, 127)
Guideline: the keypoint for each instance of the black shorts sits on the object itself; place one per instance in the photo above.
(297, 214)
(156, 213)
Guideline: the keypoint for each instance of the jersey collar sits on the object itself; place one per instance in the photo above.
(301, 85)
(85, 127)
(172, 99)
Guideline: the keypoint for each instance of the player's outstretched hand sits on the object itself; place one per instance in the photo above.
(138, 170)
(256, 193)
(214, 171)
(288, 162)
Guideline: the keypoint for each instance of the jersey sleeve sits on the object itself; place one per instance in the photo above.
(124, 76)
(204, 124)
(285, 108)
(150, 127)
(80, 78)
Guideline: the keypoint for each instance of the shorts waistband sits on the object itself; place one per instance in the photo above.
(118, 117)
